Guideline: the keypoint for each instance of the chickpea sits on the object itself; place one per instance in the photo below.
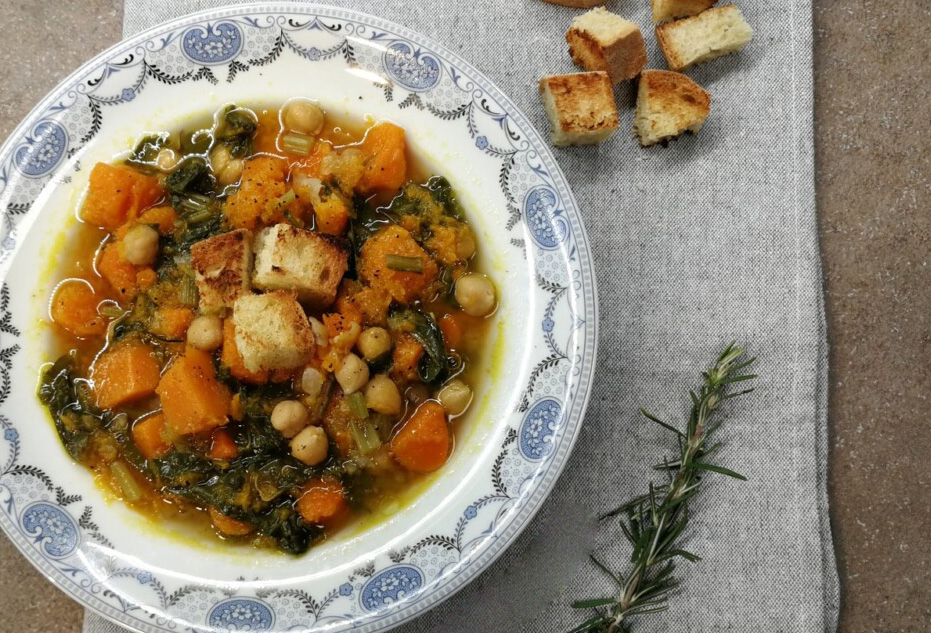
(140, 245)
(374, 342)
(382, 395)
(455, 396)
(311, 382)
(319, 330)
(352, 374)
(166, 160)
(476, 294)
(302, 116)
(289, 417)
(206, 332)
(227, 169)
(310, 445)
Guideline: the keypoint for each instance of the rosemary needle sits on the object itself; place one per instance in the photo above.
(654, 521)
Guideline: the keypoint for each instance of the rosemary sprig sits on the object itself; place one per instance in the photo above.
(653, 522)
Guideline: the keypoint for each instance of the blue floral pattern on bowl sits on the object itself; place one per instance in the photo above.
(391, 586)
(61, 532)
(538, 428)
(52, 528)
(213, 44)
(43, 149)
(241, 614)
(541, 211)
(412, 68)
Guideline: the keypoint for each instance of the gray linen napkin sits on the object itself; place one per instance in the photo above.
(709, 239)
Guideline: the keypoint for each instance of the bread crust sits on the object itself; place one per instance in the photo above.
(580, 106)
(737, 36)
(306, 262)
(622, 53)
(668, 105)
(272, 331)
(222, 267)
(665, 10)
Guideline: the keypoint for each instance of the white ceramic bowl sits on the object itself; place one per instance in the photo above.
(530, 400)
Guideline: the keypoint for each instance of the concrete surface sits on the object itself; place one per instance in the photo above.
(872, 78)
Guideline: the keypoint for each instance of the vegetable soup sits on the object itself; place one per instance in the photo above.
(270, 323)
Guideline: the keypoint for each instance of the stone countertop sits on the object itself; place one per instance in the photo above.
(873, 175)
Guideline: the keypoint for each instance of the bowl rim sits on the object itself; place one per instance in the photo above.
(585, 380)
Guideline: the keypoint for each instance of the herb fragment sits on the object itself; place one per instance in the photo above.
(654, 522)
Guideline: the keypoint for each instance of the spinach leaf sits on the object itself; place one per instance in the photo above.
(191, 176)
(68, 400)
(442, 192)
(433, 366)
(147, 150)
(236, 130)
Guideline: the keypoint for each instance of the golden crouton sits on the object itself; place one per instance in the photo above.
(272, 331)
(305, 262)
(580, 106)
(222, 266)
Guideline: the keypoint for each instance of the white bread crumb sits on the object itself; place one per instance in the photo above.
(712, 33)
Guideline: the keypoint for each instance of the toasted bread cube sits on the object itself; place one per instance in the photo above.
(668, 104)
(578, 4)
(272, 331)
(601, 40)
(665, 10)
(305, 262)
(712, 33)
(580, 106)
(222, 267)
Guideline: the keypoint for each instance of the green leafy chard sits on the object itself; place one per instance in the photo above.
(654, 522)
(433, 366)
(68, 400)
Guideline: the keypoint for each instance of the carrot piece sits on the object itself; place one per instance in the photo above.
(232, 359)
(322, 501)
(193, 400)
(171, 322)
(384, 148)
(374, 270)
(332, 215)
(146, 278)
(405, 357)
(263, 181)
(222, 445)
(164, 216)
(148, 436)
(452, 330)
(422, 444)
(236, 410)
(117, 193)
(227, 524)
(124, 373)
(74, 307)
(118, 272)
